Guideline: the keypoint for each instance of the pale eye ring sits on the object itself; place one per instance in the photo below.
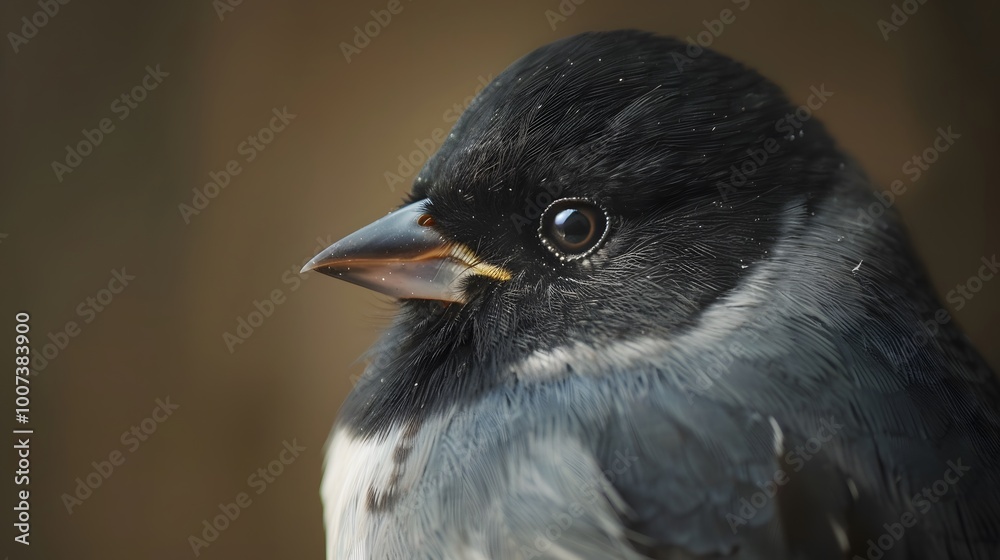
(572, 228)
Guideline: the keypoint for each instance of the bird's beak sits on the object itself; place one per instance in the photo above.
(403, 256)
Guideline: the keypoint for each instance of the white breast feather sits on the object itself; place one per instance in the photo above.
(353, 467)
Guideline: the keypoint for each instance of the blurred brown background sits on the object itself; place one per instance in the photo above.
(323, 176)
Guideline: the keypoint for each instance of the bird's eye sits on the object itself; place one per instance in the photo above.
(572, 227)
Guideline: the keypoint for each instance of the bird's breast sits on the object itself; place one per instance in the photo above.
(364, 479)
(356, 468)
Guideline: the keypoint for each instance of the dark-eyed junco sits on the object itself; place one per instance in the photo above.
(609, 344)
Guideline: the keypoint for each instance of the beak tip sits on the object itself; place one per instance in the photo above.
(309, 266)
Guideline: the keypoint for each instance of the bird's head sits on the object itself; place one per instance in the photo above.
(588, 192)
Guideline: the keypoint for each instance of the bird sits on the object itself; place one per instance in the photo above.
(649, 309)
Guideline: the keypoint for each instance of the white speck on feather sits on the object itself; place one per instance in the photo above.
(840, 534)
(853, 488)
(779, 436)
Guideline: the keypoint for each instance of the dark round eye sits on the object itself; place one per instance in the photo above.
(572, 227)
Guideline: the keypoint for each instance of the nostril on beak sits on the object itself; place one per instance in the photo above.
(425, 220)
